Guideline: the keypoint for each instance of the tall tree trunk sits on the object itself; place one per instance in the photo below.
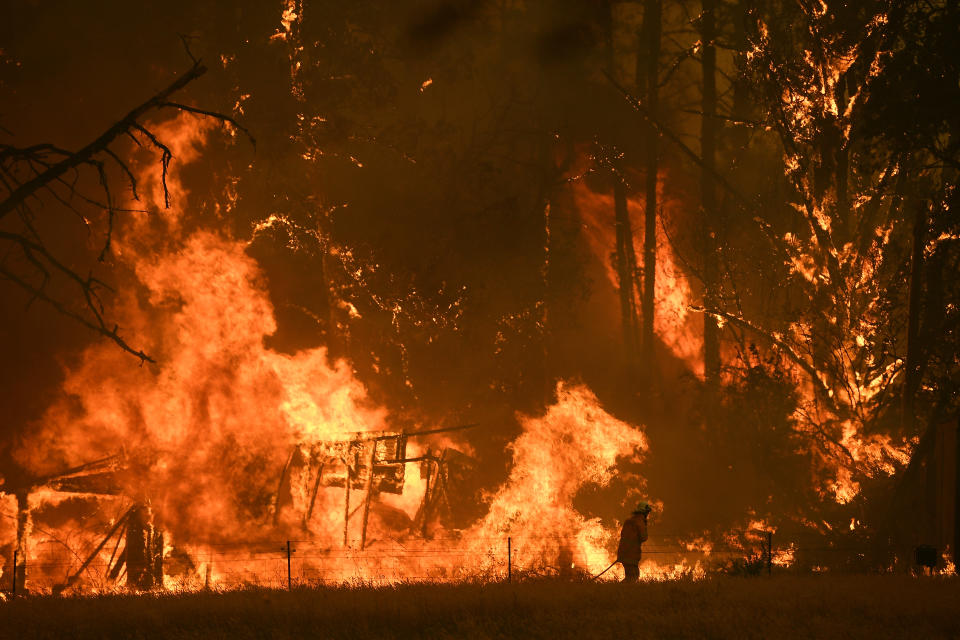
(911, 380)
(544, 202)
(626, 270)
(546, 380)
(741, 83)
(843, 165)
(648, 75)
(626, 257)
(708, 145)
(23, 527)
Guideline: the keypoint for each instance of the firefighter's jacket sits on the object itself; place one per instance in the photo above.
(632, 535)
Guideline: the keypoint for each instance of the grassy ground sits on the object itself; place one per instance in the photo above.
(816, 606)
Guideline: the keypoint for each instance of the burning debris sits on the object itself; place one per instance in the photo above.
(136, 550)
(372, 463)
(141, 557)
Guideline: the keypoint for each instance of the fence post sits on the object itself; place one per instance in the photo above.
(509, 559)
(289, 588)
(769, 552)
(15, 572)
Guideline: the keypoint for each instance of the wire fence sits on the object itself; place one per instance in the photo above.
(297, 563)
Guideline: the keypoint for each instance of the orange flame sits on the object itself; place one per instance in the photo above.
(674, 324)
(206, 431)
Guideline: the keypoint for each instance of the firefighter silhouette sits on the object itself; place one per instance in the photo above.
(632, 536)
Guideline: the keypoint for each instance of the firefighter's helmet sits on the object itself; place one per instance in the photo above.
(643, 507)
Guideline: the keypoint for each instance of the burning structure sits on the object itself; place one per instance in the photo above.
(374, 463)
(549, 220)
(371, 463)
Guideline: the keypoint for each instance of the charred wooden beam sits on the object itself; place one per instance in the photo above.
(284, 475)
(413, 434)
(101, 465)
(114, 569)
(313, 496)
(346, 506)
(105, 483)
(72, 580)
(367, 499)
(425, 508)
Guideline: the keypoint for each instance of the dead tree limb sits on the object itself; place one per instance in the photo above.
(122, 127)
(28, 173)
(98, 327)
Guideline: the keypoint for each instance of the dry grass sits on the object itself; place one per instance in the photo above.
(816, 606)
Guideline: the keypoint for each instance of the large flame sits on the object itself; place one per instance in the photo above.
(674, 323)
(574, 444)
(206, 432)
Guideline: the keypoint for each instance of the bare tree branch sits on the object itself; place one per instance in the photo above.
(212, 114)
(28, 172)
(121, 127)
(818, 384)
(40, 294)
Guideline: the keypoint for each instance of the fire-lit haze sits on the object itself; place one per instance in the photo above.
(442, 290)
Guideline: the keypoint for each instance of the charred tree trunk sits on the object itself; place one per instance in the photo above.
(546, 382)
(554, 169)
(741, 84)
(626, 270)
(911, 380)
(708, 145)
(934, 307)
(626, 257)
(648, 75)
(325, 300)
(843, 168)
(23, 522)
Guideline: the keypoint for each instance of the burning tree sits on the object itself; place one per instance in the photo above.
(861, 310)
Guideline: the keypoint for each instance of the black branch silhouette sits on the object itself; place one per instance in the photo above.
(29, 174)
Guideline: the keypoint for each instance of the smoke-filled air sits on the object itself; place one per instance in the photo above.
(318, 293)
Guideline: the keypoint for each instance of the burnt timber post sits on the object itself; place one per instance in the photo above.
(769, 552)
(143, 552)
(346, 506)
(137, 549)
(369, 496)
(283, 478)
(289, 581)
(156, 556)
(313, 496)
(426, 494)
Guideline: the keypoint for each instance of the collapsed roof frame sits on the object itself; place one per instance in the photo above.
(382, 452)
